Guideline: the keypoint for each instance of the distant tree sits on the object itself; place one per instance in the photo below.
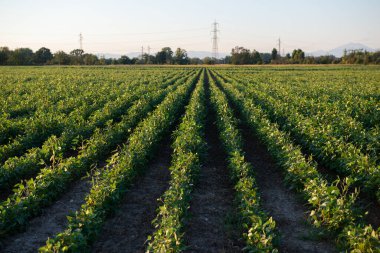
(77, 52)
(151, 59)
(165, 56)
(227, 60)
(124, 60)
(376, 57)
(359, 56)
(298, 56)
(195, 61)
(134, 60)
(180, 57)
(102, 60)
(90, 59)
(61, 58)
(266, 58)
(42, 56)
(310, 60)
(147, 59)
(274, 54)
(256, 57)
(76, 56)
(4, 55)
(325, 59)
(208, 61)
(21, 56)
(241, 55)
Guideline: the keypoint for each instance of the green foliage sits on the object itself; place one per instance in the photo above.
(20, 56)
(42, 56)
(56, 123)
(165, 56)
(259, 230)
(180, 57)
(274, 54)
(332, 203)
(51, 182)
(298, 56)
(110, 186)
(188, 146)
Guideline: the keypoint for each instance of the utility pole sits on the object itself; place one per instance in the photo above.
(148, 54)
(279, 47)
(215, 40)
(142, 52)
(80, 41)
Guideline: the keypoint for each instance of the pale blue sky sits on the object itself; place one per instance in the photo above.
(116, 26)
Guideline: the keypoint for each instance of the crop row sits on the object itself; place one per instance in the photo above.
(18, 168)
(44, 124)
(113, 182)
(34, 194)
(331, 151)
(331, 203)
(324, 113)
(189, 147)
(259, 229)
(26, 91)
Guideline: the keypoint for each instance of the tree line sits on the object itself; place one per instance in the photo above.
(241, 56)
(238, 56)
(43, 56)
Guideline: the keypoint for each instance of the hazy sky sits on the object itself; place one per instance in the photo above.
(116, 26)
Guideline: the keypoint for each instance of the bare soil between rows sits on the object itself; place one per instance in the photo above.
(284, 205)
(128, 228)
(51, 221)
(210, 227)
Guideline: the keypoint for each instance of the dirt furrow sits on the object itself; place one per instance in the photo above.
(284, 205)
(52, 220)
(128, 228)
(210, 227)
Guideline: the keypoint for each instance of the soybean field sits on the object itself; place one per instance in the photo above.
(190, 159)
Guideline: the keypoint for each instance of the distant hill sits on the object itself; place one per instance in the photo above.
(338, 51)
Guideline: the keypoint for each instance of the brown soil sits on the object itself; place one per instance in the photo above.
(369, 204)
(209, 228)
(129, 227)
(51, 221)
(281, 203)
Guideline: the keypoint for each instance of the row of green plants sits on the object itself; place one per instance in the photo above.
(17, 168)
(28, 90)
(32, 195)
(189, 147)
(46, 123)
(259, 230)
(37, 120)
(329, 150)
(42, 123)
(331, 204)
(56, 96)
(352, 91)
(112, 183)
(323, 111)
